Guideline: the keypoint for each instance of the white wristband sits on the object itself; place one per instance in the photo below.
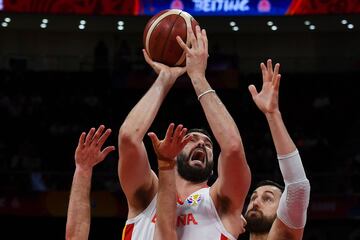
(206, 92)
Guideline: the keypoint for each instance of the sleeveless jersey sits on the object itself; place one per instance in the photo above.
(197, 218)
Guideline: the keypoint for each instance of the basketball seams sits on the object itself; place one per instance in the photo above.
(155, 24)
(160, 32)
(187, 18)
(168, 36)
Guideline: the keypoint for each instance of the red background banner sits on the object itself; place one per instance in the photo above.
(299, 7)
(97, 7)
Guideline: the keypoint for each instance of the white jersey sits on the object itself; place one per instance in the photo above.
(196, 219)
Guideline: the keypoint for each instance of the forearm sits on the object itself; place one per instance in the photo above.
(282, 140)
(221, 123)
(142, 115)
(78, 217)
(232, 160)
(134, 169)
(166, 205)
(295, 199)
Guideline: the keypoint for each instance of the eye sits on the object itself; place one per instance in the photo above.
(208, 145)
(267, 199)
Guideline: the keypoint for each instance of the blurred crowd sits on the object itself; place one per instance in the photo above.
(43, 114)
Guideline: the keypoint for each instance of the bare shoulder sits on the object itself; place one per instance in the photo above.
(279, 231)
(230, 215)
(142, 197)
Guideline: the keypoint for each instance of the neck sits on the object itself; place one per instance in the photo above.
(185, 188)
(258, 236)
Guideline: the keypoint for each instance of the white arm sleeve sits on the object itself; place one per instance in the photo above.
(295, 198)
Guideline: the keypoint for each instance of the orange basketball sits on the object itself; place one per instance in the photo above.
(160, 36)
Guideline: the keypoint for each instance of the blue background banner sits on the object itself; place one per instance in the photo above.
(220, 7)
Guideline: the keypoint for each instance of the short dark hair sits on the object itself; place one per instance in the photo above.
(200, 130)
(271, 183)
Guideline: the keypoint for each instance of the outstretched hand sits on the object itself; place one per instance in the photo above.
(197, 54)
(172, 72)
(267, 100)
(174, 141)
(88, 152)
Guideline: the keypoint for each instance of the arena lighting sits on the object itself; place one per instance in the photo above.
(307, 22)
(235, 28)
(44, 23)
(232, 23)
(7, 19)
(120, 26)
(350, 26)
(271, 25)
(312, 27)
(4, 24)
(82, 24)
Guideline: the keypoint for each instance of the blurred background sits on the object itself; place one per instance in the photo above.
(67, 66)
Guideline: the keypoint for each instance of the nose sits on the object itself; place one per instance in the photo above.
(201, 143)
(256, 203)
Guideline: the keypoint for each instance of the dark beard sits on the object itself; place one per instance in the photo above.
(259, 224)
(193, 174)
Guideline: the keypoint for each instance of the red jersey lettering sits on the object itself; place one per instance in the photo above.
(190, 218)
(181, 220)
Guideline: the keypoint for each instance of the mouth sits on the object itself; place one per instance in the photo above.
(198, 157)
(254, 212)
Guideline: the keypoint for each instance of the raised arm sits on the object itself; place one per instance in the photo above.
(137, 180)
(166, 151)
(234, 175)
(88, 153)
(268, 102)
(291, 213)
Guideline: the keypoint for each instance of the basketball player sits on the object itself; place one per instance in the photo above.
(88, 153)
(202, 212)
(274, 212)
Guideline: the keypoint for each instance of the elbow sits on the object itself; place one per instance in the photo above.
(234, 144)
(123, 134)
(126, 137)
(235, 156)
(235, 150)
(246, 178)
(292, 210)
